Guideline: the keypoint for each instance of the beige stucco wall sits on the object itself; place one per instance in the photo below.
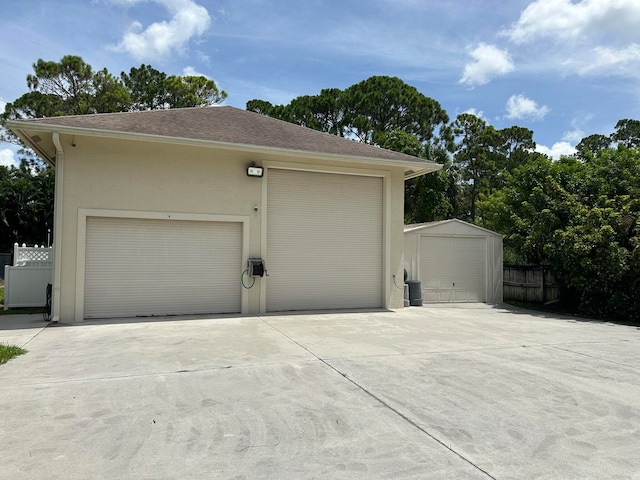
(112, 174)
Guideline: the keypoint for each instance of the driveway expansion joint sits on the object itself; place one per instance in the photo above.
(385, 404)
(42, 329)
(592, 356)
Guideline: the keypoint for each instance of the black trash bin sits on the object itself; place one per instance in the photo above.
(415, 293)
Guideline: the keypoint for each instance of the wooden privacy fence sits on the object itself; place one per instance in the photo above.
(530, 284)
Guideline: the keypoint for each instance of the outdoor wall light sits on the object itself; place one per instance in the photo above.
(254, 171)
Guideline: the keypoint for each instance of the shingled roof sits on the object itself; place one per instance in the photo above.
(221, 125)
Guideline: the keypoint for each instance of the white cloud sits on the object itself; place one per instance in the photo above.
(584, 37)
(610, 59)
(488, 62)
(473, 111)
(567, 19)
(573, 136)
(566, 145)
(159, 40)
(191, 72)
(7, 158)
(203, 57)
(3, 105)
(519, 106)
(557, 149)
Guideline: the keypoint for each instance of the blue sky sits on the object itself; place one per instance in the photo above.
(563, 68)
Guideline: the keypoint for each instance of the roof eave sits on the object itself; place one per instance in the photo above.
(20, 132)
(412, 168)
(413, 173)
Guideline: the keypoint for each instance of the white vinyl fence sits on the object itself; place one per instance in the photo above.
(36, 256)
(25, 283)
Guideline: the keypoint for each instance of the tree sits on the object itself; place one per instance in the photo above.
(365, 111)
(72, 87)
(147, 88)
(515, 145)
(591, 145)
(322, 112)
(387, 112)
(192, 91)
(382, 104)
(67, 87)
(538, 199)
(627, 133)
(485, 157)
(71, 80)
(431, 197)
(583, 219)
(26, 204)
(592, 257)
(475, 154)
(151, 89)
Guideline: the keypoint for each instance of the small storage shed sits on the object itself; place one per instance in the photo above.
(455, 261)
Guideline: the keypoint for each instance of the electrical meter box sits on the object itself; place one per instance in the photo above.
(256, 267)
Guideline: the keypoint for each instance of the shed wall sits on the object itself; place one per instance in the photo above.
(493, 289)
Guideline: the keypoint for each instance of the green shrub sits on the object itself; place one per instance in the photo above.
(7, 352)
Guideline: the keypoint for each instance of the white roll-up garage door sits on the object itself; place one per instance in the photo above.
(143, 267)
(452, 269)
(325, 241)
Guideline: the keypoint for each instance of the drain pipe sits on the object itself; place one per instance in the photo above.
(57, 228)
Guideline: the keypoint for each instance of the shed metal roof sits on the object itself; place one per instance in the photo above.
(425, 226)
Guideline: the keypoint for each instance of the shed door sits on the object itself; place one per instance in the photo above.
(324, 241)
(452, 269)
(143, 267)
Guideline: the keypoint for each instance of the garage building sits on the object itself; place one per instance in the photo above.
(159, 212)
(454, 261)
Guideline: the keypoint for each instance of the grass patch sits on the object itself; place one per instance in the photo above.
(2, 295)
(20, 311)
(7, 352)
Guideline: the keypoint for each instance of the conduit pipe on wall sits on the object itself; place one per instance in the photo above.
(57, 227)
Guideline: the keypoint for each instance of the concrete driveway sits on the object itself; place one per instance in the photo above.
(443, 392)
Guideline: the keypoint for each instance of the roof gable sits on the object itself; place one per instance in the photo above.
(452, 227)
(222, 125)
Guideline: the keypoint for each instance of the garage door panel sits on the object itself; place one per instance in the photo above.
(141, 267)
(452, 269)
(324, 245)
(475, 269)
